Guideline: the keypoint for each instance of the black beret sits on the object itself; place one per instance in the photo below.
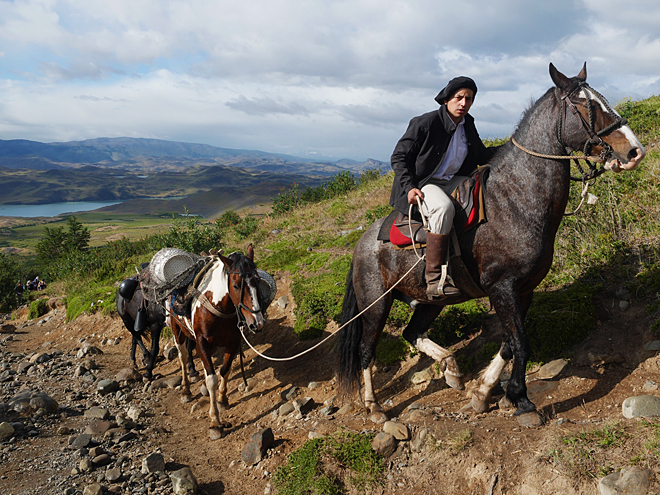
(453, 86)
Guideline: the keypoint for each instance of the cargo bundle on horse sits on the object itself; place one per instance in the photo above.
(140, 315)
(504, 258)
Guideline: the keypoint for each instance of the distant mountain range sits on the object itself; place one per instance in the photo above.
(105, 169)
(151, 155)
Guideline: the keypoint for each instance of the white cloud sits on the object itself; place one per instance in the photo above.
(338, 78)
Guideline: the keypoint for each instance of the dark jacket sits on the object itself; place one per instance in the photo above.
(420, 151)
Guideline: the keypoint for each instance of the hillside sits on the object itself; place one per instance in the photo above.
(154, 155)
(603, 291)
(90, 183)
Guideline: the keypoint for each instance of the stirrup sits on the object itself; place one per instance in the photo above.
(443, 287)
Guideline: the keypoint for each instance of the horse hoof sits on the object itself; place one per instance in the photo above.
(186, 398)
(530, 420)
(378, 417)
(215, 433)
(453, 380)
(480, 405)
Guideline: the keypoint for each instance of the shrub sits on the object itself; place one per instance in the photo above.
(246, 228)
(38, 308)
(456, 321)
(324, 466)
(228, 219)
(391, 349)
(8, 278)
(560, 319)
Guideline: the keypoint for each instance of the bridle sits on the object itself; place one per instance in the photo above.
(242, 323)
(595, 137)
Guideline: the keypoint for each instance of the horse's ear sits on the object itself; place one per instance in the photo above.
(250, 252)
(560, 80)
(583, 73)
(227, 262)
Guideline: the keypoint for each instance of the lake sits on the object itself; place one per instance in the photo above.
(52, 209)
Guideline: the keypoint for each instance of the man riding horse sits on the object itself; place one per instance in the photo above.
(437, 152)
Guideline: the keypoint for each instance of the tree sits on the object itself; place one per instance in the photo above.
(57, 242)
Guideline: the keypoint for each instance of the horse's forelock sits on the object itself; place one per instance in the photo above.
(242, 264)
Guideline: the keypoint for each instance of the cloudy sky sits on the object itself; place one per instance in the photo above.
(326, 78)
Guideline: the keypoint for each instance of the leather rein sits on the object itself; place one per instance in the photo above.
(595, 137)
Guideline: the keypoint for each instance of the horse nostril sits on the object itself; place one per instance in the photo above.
(633, 153)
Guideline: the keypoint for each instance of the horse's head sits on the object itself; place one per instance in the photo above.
(243, 286)
(589, 123)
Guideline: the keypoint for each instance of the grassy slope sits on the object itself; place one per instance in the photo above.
(615, 242)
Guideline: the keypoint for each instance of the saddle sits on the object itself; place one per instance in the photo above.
(408, 233)
(470, 211)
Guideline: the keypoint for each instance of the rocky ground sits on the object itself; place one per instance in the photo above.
(76, 419)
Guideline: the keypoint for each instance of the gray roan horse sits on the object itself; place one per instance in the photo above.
(507, 257)
(128, 307)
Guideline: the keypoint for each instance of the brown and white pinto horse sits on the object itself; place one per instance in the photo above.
(228, 299)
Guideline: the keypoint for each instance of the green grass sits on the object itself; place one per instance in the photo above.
(132, 227)
(38, 308)
(330, 465)
(559, 319)
(585, 454)
(90, 298)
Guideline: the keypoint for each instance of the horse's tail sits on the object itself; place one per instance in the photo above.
(349, 362)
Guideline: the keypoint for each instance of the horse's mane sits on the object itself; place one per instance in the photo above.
(530, 108)
(242, 264)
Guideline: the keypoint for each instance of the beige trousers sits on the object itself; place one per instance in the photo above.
(437, 205)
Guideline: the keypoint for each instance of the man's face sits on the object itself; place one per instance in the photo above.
(459, 104)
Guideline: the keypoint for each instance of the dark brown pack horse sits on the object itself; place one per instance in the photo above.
(128, 307)
(507, 257)
(229, 298)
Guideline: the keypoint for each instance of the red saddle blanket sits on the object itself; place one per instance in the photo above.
(468, 200)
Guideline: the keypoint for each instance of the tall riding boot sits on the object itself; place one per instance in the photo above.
(437, 247)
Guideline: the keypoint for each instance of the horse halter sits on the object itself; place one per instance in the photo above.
(241, 319)
(595, 137)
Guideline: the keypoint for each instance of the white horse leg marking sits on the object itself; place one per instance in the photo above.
(369, 396)
(444, 357)
(486, 383)
(431, 349)
(212, 386)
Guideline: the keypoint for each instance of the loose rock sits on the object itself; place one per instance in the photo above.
(642, 405)
(397, 430)
(632, 480)
(384, 444)
(552, 369)
(257, 447)
(153, 463)
(6, 430)
(184, 482)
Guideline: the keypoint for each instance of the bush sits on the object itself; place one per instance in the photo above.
(246, 227)
(558, 320)
(228, 219)
(191, 235)
(38, 308)
(324, 466)
(8, 278)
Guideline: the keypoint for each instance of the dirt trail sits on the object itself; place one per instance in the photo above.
(501, 457)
